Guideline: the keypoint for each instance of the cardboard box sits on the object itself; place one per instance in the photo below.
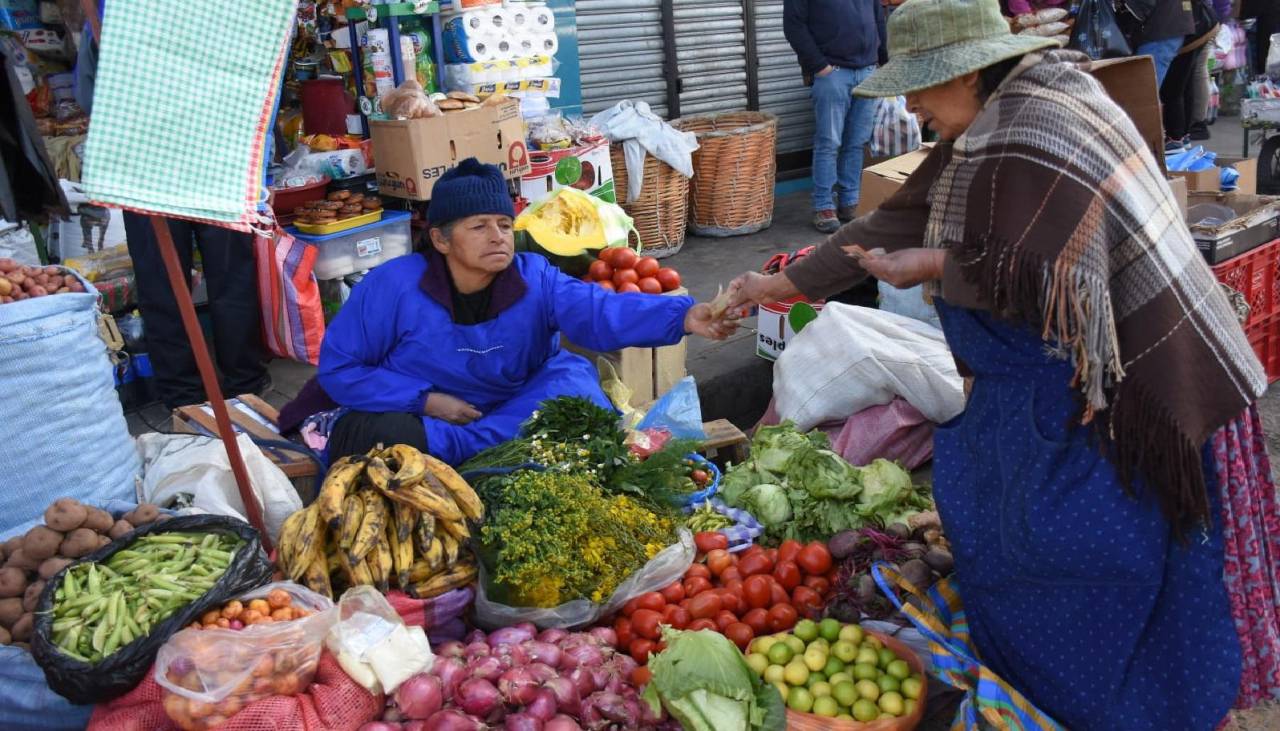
(1257, 222)
(587, 168)
(412, 154)
(773, 326)
(1210, 179)
(1179, 188)
(648, 372)
(883, 179)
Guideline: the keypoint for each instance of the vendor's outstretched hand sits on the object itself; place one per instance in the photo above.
(448, 408)
(904, 268)
(754, 288)
(702, 321)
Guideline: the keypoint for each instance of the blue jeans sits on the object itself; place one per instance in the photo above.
(843, 125)
(1163, 52)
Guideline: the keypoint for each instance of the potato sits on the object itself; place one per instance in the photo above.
(121, 527)
(79, 542)
(41, 542)
(32, 596)
(143, 514)
(10, 611)
(103, 541)
(99, 520)
(22, 628)
(65, 515)
(20, 560)
(5, 637)
(12, 545)
(13, 582)
(51, 566)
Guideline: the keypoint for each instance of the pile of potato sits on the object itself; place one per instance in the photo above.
(19, 282)
(70, 530)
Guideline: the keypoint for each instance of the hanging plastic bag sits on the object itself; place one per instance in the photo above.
(570, 222)
(292, 310)
(897, 130)
(678, 411)
(1273, 58)
(1097, 32)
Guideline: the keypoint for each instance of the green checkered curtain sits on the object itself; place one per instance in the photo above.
(184, 100)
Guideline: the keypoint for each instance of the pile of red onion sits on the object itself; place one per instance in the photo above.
(519, 680)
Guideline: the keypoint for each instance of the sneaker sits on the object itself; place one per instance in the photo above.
(826, 221)
(1171, 146)
(1200, 131)
(846, 213)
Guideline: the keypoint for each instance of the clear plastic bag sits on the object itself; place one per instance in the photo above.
(667, 566)
(209, 675)
(373, 644)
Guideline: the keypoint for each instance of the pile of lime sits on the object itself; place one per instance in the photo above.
(837, 671)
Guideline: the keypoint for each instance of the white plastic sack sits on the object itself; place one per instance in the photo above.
(18, 244)
(62, 431)
(175, 464)
(896, 131)
(640, 131)
(852, 358)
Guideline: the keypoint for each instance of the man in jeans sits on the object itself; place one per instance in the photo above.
(1162, 34)
(839, 43)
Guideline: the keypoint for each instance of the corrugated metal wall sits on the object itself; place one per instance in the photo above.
(782, 90)
(711, 52)
(620, 52)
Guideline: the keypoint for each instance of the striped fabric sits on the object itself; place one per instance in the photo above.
(292, 314)
(939, 615)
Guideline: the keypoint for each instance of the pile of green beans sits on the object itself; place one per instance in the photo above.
(100, 607)
(707, 518)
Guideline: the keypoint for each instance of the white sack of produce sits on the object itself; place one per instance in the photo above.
(198, 466)
(640, 131)
(852, 358)
(62, 431)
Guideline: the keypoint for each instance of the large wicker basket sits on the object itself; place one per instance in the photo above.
(731, 193)
(660, 210)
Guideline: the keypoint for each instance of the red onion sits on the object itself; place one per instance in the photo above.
(568, 699)
(519, 654)
(605, 636)
(474, 636)
(380, 726)
(477, 697)
(486, 668)
(622, 665)
(392, 714)
(541, 673)
(553, 635)
(452, 720)
(517, 686)
(420, 696)
(452, 648)
(609, 705)
(512, 635)
(562, 723)
(543, 652)
(476, 649)
(581, 655)
(600, 677)
(416, 726)
(528, 627)
(182, 666)
(583, 681)
(451, 671)
(616, 684)
(543, 705)
(522, 722)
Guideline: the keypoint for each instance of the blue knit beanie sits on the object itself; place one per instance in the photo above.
(470, 189)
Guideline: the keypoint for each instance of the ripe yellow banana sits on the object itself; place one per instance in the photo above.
(458, 576)
(405, 519)
(410, 465)
(423, 533)
(417, 496)
(457, 487)
(456, 528)
(435, 554)
(361, 575)
(451, 547)
(352, 517)
(373, 526)
(340, 481)
(419, 571)
(380, 564)
(401, 556)
(317, 573)
(297, 553)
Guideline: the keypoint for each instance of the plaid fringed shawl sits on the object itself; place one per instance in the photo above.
(1054, 209)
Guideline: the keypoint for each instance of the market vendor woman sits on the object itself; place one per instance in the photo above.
(1106, 491)
(452, 349)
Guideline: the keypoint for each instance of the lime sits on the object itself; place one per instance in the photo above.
(892, 703)
(899, 669)
(912, 687)
(816, 658)
(873, 641)
(783, 690)
(868, 689)
(761, 645)
(758, 663)
(568, 171)
(833, 665)
(888, 683)
(814, 679)
(826, 706)
(800, 700)
(795, 643)
(844, 692)
(909, 707)
(864, 671)
(851, 633)
(806, 630)
(820, 689)
(829, 629)
(780, 653)
(796, 673)
(867, 656)
(845, 650)
(886, 657)
(840, 678)
(775, 674)
(844, 717)
(865, 710)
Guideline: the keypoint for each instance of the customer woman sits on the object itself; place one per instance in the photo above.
(1184, 94)
(1081, 488)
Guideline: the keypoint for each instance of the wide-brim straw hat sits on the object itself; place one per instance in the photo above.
(934, 41)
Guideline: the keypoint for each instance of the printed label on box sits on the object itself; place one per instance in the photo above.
(369, 247)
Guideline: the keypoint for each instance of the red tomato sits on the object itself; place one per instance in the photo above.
(724, 618)
(782, 617)
(641, 676)
(673, 592)
(787, 573)
(752, 549)
(718, 560)
(731, 600)
(815, 559)
(640, 650)
(647, 266)
(624, 276)
(756, 590)
(630, 607)
(604, 254)
(733, 585)
(740, 634)
(668, 278)
(624, 258)
(698, 624)
(789, 550)
(644, 623)
(757, 620)
(649, 285)
(756, 563)
(600, 270)
(607, 285)
(698, 570)
(622, 628)
(733, 573)
(806, 600)
(709, 540)
(695, 586)
(677, 616)
(705, 605)
(629, 288)
(651, 600)
(777, 594)
(819, 584)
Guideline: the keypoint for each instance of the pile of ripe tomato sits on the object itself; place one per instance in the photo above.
(620, 269)
(742, 596)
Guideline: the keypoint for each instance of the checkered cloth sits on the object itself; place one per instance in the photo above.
(183, 105)
(745, 529)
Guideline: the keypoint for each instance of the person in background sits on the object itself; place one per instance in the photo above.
(1267, 14)
(1201, 83)
(839, 43)
(1161, 34)
(1180, 94)
(232, 281)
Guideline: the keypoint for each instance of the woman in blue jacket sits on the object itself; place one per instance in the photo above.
(451, 350)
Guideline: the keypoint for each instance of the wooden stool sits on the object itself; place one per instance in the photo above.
(725, 443)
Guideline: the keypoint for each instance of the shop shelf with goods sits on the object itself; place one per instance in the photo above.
(360, 248)
(388, 17)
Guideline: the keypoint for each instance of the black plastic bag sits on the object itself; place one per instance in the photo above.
(121, 671)
(1097, 33)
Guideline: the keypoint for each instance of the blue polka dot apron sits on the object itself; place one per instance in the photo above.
(1076, 594)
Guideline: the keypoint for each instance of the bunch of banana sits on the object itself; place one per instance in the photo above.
(394, 517)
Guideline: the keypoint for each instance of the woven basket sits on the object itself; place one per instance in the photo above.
(731, 193)
(660, 210)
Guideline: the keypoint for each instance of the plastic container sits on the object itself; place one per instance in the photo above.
(1256, 275)
(288, 199)
(337, 225)
(1264, 336)
(362, 248)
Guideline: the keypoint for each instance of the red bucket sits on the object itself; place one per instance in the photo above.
(325, 106)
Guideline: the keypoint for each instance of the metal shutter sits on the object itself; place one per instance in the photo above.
(711, 49)
(782, 90)
(620, 53)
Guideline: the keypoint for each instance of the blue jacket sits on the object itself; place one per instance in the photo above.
(395, 340)
(847, 33)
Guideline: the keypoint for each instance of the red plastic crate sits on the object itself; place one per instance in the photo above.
(1264, 336)
(1256, 275)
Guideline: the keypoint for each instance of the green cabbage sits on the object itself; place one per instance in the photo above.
(886, 488)
(823, 474)
(740, 478)
(768, 503)
(773, 446)
(705, 684)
